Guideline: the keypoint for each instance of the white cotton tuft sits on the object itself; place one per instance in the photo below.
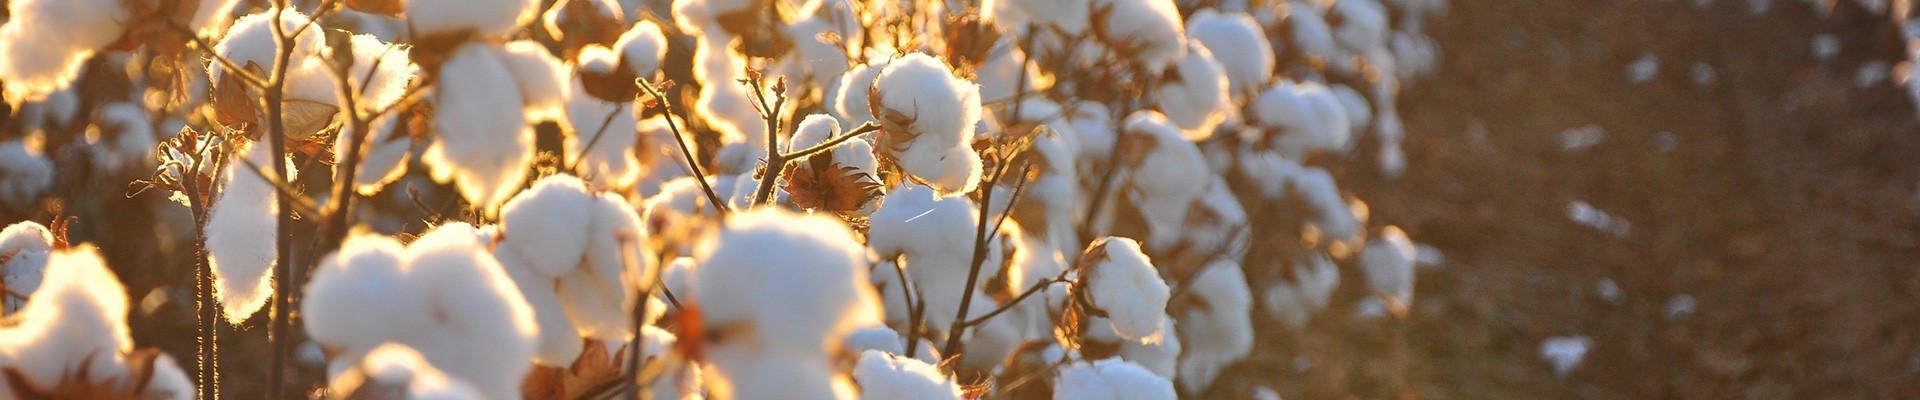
(240, 234)
(848, 99)
(798, 283)
(361, 296)
(1310, 292)
(884, 376)
(1314, 37)
(25, 173)
(1238, 43)
(26, 247)
(1165, 179)
(880, 338)
(1111, 379)
(1334, 218)
(1564, 353)
(725, 103)
(642, 48)
(559, 342)
(388, 148)
(1124, 283)
(1070, 16)
(543, 80)
(399, 368)
(79, 314)
(929, 117)
(1388, 262)
(1147, 31)
(602, 140)
(1307, 116)
(1218, 330)
(936, 235)
(1363, 25)
(1196, 98)
(122, 139)
(482, 140)
(1161, 357)
(251, 41)
(489, 18)
(45, 42)
(1359, 112)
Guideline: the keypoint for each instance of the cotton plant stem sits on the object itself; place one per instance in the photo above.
(277, 140)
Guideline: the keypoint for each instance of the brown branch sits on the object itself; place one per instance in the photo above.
(666, 107)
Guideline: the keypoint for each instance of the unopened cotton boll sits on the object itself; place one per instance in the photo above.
(44, 43)
(1122, 281)
(1148, 31)
(1111, 379)
(487, 18)
(885, 376)
(928, 118)
(1196, 98)
(482, 140)
(27, 245)
(240, 229)
(1218, 328)
(1238, 43)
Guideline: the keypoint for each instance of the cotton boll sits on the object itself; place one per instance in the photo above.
(1070, 16)
(208, 16)
(1165, 172)
(545, 223)
(122, 139)
(936, 235)
(1111, 379)
(489, 18)
(1148, 31)
(884, 376)
(1363, 24)
(482, 141)
(602, 147)
(791, 283)
(559, 342)
(814, 60)
(24, 248)
(1335, 220)
(880, 338)
(1238, 43)
(79, 313)
(1314, 37)
(600, 294)
(240, 231)
(775, 376)
(1000, 77)
(485, 331)
(1218, 327)
(384, 162)
(45, 42)
(1388, 262)
(849, 95)
(1307, 117)
(1359, 112)
(251, 41)
(1093, 125)
(360, 296)
(1161, 357)
(401, 370)
(642, 47)
(726, 104)
(1123, 282)
(1195, 98)
(543, 80)
(386, 64)
(1311, 291)
(929, 117)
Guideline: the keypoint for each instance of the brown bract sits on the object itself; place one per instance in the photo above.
(820, 184)
(595, 368)
(79, 384)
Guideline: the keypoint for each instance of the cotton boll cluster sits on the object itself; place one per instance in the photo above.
(886, 376)
(78, 319)
(241, 223)
(311, 104)
(928, 117)
(1111, 380)
(777, 293)
(578, 258)
(442, 295)
(27, 172)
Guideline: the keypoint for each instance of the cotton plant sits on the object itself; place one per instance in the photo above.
(579, 258)
(1161, 356)
(442, 295)
(1302, 118)
(72, 339)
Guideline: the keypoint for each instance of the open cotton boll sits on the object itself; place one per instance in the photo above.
(884, 376)
(25, 173)
(1122, 281)
(814, 60)
(1313, 36)
(1415, 54)
(541, 77)
(44, 42)
(240, 231)
(792, 283)
(1307, 116)
(1335, 220)
(388, 66)
(24, 248)
(482, 141)
(1238, 43)
(1217, 328)
(882, 339)
(726, 104)
(559, 342)
(483, 331)
(603, 139)
(122, 139)
(1363, 24)
(1070, 16)
(776, 375)
(642, 47)
(1359, 112)
(848, 97)
(936, 235)
(1162, 357)
(487, 18)
(1195, 97)
(929, 117)
(1164, 177)
(397, 369)
(385, 159)
(1295, 302)
(1000, 77)
(361, 296)
(79, 312)
(251, 40)
(1111, 379)
(600, 295)
(1147, 31)
(1388, 262)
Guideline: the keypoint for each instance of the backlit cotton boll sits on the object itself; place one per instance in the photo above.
(1216, 326)
(928, 118)
(848, 97)
(442, 295)
(1147, 31)
(76, 319)
(1194, 97)
(886, 376)
(308, 87)
(1111, 379)
(1238, 43)
(642, 47)
(1388, 262)
(1303, 118)
(482, 139)
(240, 231)
(44, 42)
(487, 18)
(1122, 281)
(397, 369)
(26, 246)
(575, 255)
(936, 235)
(387, 149)
(603, 137)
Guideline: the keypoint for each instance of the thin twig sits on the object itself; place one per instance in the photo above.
(980, 238)
(699, 175)
(597, 134)
(207, 369)
(829, 144)
(776, 162)
(277, 140)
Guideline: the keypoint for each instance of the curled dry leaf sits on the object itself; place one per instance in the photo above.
(972, 41)
(820, 184)
(595, 368)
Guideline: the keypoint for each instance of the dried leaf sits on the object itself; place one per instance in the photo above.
(382, 7)
(820, 184)
(304, 118)
(232, 105)
(594, 368)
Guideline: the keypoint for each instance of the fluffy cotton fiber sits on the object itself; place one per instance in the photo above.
(929, 117)
(240, 234)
